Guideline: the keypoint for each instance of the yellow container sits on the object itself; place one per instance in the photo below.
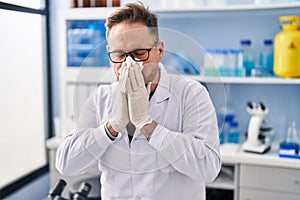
(287, 48)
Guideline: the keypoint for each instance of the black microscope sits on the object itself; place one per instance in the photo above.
(56, 191)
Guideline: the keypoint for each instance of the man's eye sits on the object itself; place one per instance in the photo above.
(140, 52)
(118, 55)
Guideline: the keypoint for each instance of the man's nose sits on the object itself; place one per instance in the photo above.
(129, 54)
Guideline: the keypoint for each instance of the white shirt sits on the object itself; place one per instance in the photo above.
(181, 156)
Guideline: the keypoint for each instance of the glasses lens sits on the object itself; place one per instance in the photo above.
(117, 56)
(140, 54)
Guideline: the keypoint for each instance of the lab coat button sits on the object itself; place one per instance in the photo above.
(138, 197)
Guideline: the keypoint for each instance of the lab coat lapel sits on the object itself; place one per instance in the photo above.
(162, 91)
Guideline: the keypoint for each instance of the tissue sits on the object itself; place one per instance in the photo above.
(123, 71)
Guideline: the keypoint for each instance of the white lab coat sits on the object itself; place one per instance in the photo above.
(182, 154)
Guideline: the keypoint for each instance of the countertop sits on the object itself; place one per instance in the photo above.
(233, 154)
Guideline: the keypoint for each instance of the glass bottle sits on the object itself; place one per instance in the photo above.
(292, 137)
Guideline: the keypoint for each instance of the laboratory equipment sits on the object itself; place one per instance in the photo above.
(226, 115)
(292, 136)
(254, 143)
(266, 59)
(228, 65)
(287, 48)
(233, 135)
(240, 70)
(290, 147)
(223, 62)
(248, 56)
(210, 68)
(56, 192)
(83, 192)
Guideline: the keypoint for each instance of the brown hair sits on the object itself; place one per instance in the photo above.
(132, 13)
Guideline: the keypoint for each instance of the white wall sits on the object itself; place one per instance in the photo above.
(54, 7)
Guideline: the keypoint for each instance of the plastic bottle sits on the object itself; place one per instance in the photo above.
(233, 133)
(231, 62)
(266, 58)
(224, 133)
(248, 56)
(223, 62)
(226, 115)
(240, 70)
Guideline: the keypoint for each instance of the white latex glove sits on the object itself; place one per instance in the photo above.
(137, 97)
(124, 74)
(120, 112)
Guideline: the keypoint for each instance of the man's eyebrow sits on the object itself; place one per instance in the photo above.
(118, 51)
(128, 51)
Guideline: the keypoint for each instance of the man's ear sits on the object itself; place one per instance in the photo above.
(160, 48)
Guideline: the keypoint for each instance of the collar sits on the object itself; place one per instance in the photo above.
(162, 91)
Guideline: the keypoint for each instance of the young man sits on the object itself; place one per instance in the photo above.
(153, 135)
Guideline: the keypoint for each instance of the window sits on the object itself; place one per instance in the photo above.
(37, 4)
(24, 90)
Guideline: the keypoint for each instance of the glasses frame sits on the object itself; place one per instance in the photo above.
(130, 53)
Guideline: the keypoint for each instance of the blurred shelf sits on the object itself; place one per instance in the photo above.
(106, 74)
(246, 80)
(89, 12)
(244, 7)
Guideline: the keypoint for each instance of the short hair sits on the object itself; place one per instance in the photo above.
(132, 13)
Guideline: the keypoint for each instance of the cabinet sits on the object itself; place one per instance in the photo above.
(259, 182)
(213, 27)
(226, 185)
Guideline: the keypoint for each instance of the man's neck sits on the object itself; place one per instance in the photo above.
(155, 81)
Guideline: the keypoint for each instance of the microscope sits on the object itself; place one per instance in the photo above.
(81, 194)
(255, 142)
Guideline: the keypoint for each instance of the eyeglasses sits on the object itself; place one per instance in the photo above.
(138, 55)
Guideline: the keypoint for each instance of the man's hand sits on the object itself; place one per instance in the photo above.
(120, 109)
(137, 97)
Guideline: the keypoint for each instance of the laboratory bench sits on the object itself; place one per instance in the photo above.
(258, 176)
(247, 175)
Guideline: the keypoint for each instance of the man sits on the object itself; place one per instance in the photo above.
(153, 135)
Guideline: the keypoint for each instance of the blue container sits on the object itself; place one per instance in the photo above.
(233, 133)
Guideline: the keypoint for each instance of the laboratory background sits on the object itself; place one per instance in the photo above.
(246, 53)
